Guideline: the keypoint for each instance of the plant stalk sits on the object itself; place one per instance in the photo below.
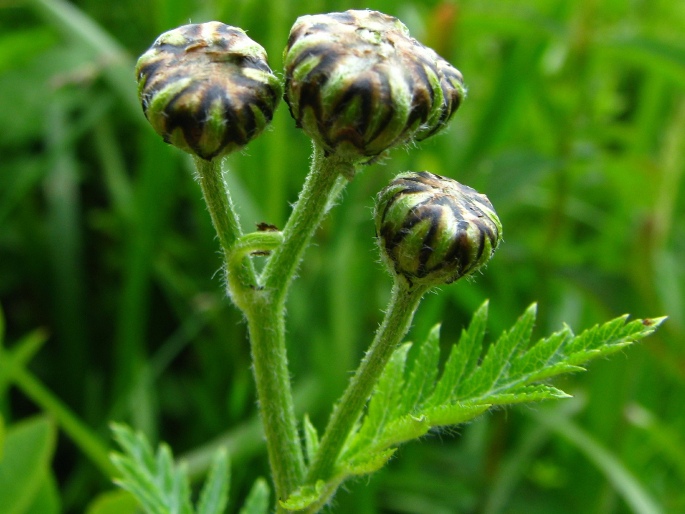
(222, 211)
(79, 433)
(311, 207)
(266, 315)
(263, 302)
(270, 366)
(403, 304)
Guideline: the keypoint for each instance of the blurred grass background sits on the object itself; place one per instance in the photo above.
(574, 127)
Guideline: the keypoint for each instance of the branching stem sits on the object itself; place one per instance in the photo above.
(263, 300)
(317, 193)
(221, 210)
(403, 303)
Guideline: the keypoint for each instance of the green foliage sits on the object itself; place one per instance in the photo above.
(574, 126)
(311, 439)
(26, 482)
(409, 401)
(162, 487)
(257, 501)
(410, 398)
(114, 502)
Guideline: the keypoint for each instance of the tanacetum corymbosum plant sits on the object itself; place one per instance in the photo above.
(358, 85)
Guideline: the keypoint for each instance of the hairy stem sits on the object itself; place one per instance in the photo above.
(263, 303)
(270, 365)
(221, 210)
(403, 303)
(319, 188)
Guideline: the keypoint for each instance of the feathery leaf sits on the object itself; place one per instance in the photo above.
(410, 399)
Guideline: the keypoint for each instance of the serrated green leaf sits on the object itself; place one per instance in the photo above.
(257, 501)
(551, 371)
(525, 394)
(136, 446)
(131, 471)
(463, 358)
(453, 414)
(138, 483)
(496, 361)
(385, 401)
(599, 334)
(29, 446)
(164, 473)
(214, 495)
(594, 353)
(305, 496)
(159, 485)
(403, 406)
(540, 354)
(311, 438)
(424, 370)
(368, 463)
(403, 429)
(181, 491)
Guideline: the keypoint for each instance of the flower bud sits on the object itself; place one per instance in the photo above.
(207, 88)
(358, 84)
(433, 230)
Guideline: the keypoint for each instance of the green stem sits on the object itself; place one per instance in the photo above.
(254, 243)
(270, 365)
(317, 193)
(12, 369)
(267, 334)
(78, 432)
(403, 303)
(221, 210)
(264, 308)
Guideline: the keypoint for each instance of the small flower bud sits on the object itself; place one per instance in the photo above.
(433, 230)
(358, 84)
(207, 88)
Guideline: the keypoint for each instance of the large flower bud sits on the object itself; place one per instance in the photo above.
(358, 84)
(433, 230)
(207, 88)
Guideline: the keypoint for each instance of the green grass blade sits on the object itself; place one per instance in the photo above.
(625, 483)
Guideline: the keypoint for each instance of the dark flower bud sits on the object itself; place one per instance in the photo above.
(433, 230)
(358, 84)
(207, 88)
